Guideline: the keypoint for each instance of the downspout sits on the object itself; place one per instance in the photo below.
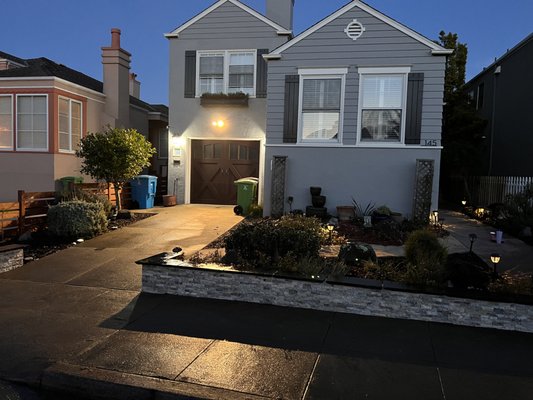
(497, 72)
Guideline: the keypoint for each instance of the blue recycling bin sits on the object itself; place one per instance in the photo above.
(143, 189)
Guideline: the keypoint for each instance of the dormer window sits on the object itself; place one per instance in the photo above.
(231, 71)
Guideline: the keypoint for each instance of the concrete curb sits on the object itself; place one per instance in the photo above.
(94, 383)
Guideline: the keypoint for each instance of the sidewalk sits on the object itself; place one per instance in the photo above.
(76, 321)
(515, 254)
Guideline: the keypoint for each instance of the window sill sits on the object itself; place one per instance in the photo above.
(214, 102)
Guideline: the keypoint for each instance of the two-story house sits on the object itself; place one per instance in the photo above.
(354, 105)
(503, 95)
(46, 108)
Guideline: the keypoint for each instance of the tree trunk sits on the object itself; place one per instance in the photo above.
(118, 188)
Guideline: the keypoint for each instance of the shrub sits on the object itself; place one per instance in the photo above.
(383, 210)
(75, 219)
(263, 242)
(518, 212)
(89, 197)
(255, 211)
(425, 257)
(513, 283)
(467, 271)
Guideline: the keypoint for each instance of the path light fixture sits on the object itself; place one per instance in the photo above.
(495, 259)
(435, 218)
(290, 200)
(473, 238)
(330, 227)
(463, 203)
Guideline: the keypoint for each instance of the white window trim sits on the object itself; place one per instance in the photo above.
(12, 124)
(227, 54)
(41, 150)
(333, 73)
(382, 71)
(70, 101)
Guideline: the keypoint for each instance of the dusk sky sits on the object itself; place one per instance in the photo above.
(71, 32)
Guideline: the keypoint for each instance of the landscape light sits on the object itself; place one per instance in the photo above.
(495, 258)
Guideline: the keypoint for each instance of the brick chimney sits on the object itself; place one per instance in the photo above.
(281, 12)
(116, 63)
(135, 86)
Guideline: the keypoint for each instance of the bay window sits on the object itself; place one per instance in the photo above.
(70, 124)
(382, 99)
(226, 72)
(6, 123)
(321, 105)
(32, 122)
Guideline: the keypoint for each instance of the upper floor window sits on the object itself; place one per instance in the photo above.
(321, 105)
(382, 99)
(226, 72)
(70, 124)
(6, 123)
(32, 122)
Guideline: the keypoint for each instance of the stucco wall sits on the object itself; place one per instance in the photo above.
(379, 176)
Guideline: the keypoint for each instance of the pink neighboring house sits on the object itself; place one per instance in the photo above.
(46, 108)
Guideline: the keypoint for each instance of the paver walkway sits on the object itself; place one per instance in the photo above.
(76, 320)
(515, 254)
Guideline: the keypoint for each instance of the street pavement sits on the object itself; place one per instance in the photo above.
(76, 323)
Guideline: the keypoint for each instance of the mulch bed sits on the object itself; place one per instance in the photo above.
(43, 244)
(357, 233)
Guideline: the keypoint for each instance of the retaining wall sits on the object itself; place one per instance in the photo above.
(179, 278)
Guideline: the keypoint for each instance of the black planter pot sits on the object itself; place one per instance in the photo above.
(315, 190)
(318, 201)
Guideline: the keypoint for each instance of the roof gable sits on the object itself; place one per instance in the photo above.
(279, 29)
(434, 47)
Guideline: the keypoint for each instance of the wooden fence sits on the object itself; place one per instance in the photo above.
(486, 190)
(29, 212)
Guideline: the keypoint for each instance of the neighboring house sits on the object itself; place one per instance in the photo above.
(353, 103)
(46, 108)
(220, 51)
(503, 95)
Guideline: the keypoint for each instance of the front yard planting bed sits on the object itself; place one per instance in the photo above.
(163, 274)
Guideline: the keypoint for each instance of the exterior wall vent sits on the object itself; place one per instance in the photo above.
(354, 30)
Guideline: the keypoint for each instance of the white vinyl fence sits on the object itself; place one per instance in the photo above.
(486, 190)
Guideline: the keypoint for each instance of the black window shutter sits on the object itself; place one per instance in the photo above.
(413, 123)
(290, 120)
(261, 79)
(190, 73)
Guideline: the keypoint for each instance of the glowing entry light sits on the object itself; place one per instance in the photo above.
(178, 141)
(218, 124)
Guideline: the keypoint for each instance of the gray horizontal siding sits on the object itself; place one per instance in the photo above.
(381, 45)
(226, 22)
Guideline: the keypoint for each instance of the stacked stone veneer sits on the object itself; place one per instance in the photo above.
(186, 280)
(11, 257)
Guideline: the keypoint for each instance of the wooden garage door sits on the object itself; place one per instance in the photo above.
(216, 164)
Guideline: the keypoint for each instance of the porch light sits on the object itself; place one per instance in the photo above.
(218, 124)
(178, 141)
(495, 259)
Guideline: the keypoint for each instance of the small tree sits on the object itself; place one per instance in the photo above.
(115, 156)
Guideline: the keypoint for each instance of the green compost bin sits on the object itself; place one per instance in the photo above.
(67, 180)
(246, 194)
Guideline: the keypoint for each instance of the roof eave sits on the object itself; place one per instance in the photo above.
(279, 29)
(445, 52)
